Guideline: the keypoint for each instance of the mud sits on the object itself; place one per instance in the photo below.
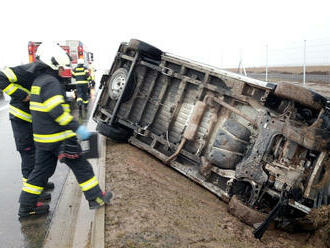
(155, 206)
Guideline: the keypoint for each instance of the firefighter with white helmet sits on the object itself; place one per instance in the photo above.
(55, 133)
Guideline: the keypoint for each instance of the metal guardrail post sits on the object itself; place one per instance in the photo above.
(304, 73)
(267, 63)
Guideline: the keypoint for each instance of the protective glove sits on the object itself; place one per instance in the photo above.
(83, 133)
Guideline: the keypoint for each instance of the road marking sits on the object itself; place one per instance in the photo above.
(4, 107)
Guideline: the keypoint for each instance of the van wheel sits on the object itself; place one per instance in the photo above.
(116, 85)
(116, 132)
(145, 49)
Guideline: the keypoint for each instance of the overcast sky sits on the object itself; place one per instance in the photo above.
(214, 32)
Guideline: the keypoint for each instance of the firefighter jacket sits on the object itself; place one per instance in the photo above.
(81, 74)
(52, 121)
(16, 82)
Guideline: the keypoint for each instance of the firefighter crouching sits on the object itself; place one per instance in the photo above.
(16, 83)
(55, 134)
(81, 74)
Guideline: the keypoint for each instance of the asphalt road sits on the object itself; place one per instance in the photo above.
(30, 232)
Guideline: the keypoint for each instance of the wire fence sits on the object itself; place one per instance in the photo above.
(306, 61)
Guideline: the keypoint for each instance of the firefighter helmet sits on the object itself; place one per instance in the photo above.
(53, 55)
(80, 61)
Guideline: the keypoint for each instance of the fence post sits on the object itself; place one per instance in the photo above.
(266, 62)
(304, 73)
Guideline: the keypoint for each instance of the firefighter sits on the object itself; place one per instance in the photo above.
(16, 83)
(55, 134)
(81, 74)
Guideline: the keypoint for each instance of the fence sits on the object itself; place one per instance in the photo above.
(305, 61)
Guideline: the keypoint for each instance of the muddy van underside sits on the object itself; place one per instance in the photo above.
(266, 144)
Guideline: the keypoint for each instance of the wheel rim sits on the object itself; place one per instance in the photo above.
(117, 85)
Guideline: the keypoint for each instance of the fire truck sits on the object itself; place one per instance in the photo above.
(75, 48)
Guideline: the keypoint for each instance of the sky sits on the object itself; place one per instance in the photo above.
(219, 33)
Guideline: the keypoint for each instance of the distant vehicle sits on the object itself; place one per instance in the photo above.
(263, 147)
(76, 49)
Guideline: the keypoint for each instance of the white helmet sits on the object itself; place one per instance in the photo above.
(80, 61)
(53, 55)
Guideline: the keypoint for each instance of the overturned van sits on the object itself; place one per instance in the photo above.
(263, 147)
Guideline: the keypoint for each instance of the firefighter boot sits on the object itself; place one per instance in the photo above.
(49, 186)
(45, 196)
(100, 200)
(39, 209)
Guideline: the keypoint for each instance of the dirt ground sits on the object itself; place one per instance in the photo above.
(156, 206)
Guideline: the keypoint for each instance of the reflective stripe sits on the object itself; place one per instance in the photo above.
(64, 119)
(55, 137)
(82, 82)
(20, 114)
(35, 90)
(22, 88)
(66, 107)
(10, 89)
(80, 73)
(91, 183)
(85, 101)
(10, 74)
(47, 105)
(24, 179)
(32, 189)
(79, 99)
(80, 69)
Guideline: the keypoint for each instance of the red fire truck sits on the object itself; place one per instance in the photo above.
(74, 48)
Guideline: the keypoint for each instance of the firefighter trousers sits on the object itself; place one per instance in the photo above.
(45, 166)
(23, 135)
(82, 94)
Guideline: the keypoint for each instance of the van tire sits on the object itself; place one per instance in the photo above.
(145, 49)
(130, 87)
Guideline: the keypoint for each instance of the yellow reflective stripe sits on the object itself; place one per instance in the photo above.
(79, 99)
(24, 179)
(66, 107)
(55, 137)
(32, 189)
(99, 201)
(91, 183)
(80, 69)
(53, 102)
(10, 74)
(35, 90)
(82, 82)
(37, 106)
(10, 89)
(20, 114)
(85, 101)
(80, 73)
(47, 105)
(64, 119)
(22, 88)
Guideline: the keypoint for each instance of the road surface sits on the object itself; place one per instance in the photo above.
(30, 232)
